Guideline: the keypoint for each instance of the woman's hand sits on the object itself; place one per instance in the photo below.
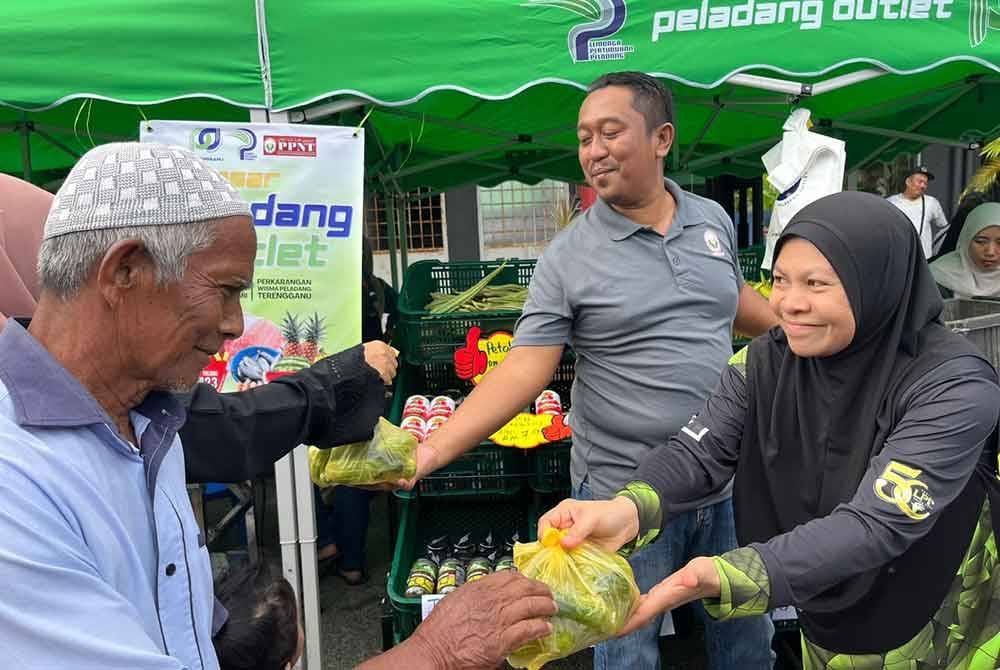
(696, 580)
(607, 523)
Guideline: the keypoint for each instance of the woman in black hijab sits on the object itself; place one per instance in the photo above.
(862, 438)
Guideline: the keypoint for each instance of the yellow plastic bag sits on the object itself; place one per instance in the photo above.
(595, 590)
(390, 455)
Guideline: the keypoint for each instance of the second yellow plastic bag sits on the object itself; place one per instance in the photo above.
(389, 456)
(595, 590)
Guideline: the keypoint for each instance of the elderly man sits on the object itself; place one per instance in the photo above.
(145, 253)
(924, 211)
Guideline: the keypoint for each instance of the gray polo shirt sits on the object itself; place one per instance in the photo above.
(650, 319)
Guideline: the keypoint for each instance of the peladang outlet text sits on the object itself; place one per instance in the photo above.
(808, 14)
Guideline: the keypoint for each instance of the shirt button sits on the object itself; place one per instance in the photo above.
(171, 569)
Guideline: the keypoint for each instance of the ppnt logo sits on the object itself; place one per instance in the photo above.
(590, 41)
(982, 19)
(289, 145)
(206, 139)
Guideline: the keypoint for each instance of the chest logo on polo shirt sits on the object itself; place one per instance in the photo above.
(899, 485)
(713, 243)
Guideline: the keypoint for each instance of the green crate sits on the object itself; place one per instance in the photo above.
(551, 468)
(750, 261)
(488, 469)
(423, 519)
(423, 336)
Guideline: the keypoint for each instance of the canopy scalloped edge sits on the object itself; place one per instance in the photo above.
(662, 75)
(159, 101)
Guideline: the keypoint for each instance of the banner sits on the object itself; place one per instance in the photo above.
(305, 189)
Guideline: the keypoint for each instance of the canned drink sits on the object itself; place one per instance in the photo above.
(552, 411)
(549, 394)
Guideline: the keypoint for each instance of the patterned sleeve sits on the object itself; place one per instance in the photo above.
(647, 501)
(745, 586)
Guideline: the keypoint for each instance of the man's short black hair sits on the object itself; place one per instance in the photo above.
(649, 96)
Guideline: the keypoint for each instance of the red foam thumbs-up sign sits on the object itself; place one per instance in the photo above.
(557, 431)
(469, 360)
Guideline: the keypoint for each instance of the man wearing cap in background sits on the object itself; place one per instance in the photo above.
(923, 210)
(145, 253)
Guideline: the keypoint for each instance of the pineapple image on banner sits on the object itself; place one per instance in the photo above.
(304, 185)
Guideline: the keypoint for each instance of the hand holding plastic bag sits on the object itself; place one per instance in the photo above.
(388, 457)
(595, 590)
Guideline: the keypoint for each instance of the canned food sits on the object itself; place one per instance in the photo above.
(443, 400)
(418, 401)
(435, 422)
(441, 411)
(548, 407)
(416, 411)
(415, 426)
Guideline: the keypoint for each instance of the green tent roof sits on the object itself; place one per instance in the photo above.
(487, 91)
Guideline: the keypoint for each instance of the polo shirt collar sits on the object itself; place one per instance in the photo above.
(621, 227)
(46, 395)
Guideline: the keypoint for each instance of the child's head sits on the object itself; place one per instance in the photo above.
(263, 631)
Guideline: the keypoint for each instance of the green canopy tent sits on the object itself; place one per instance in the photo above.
(482, 92)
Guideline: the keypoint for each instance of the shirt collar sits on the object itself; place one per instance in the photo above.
(45, 394)
(621, 227)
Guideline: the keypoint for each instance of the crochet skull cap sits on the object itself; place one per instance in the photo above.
(127, 184)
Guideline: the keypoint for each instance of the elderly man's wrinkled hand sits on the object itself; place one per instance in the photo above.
(382, 357)
(480, 624)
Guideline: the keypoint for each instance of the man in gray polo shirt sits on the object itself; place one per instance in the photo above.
(645, 287)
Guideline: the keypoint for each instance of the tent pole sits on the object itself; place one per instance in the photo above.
(325, 109)
(958, 95)
(708, 160)
(704, 130)
(26, 147)
(450, 160)
(56, 143)
(527, 138)
(472, 182)
(390, 229)
(897, 101)
(897, 134)
(403, 217)
(108, 137)
(798, 89)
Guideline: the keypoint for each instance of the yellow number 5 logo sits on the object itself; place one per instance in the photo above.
(898, 484)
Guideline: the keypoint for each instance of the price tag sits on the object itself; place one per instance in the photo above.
(531, 430)
(428, 602)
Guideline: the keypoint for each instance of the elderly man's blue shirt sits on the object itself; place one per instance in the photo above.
(102, 564)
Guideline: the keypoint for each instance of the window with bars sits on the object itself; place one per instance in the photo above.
(513, 214)
(424, 221)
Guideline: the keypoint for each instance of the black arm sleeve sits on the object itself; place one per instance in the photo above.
(231, 437)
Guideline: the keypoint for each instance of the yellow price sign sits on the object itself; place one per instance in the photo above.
(527, 431)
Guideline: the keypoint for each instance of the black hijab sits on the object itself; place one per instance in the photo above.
(813, 424)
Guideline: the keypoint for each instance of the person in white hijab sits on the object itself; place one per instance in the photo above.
(973, 269)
